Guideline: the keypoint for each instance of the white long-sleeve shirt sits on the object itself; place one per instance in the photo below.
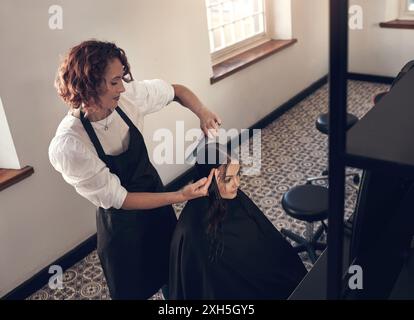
(73, 154)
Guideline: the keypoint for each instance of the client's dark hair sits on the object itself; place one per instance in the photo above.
(214, 156)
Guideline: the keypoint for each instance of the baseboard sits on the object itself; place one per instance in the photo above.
(290, 104)
(41, 278)
(370, 78)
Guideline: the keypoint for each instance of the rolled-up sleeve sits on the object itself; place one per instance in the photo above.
(149, 95)
(89, 175)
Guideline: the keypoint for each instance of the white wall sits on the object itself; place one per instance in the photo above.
(42, 217)
(375, 50)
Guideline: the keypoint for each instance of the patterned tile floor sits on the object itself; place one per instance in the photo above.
(292, 150)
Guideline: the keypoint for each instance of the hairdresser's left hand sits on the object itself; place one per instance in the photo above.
(198, 188)
(209, 122)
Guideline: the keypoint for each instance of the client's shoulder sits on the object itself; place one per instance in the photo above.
(244, 197)
(194, 211)
(248, 203)
(196, 206)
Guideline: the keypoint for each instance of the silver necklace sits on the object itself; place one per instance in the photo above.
(106, 123)
(103, 125)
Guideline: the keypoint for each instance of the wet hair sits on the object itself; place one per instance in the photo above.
(214, 156)
(82, 72)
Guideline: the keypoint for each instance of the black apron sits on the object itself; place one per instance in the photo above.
(133, 245)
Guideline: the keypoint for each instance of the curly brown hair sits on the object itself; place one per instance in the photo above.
(80, 77)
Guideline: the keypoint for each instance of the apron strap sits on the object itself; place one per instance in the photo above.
(92, 135)
(125, 118)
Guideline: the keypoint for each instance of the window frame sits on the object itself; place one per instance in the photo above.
(405, 14)
(246, 44)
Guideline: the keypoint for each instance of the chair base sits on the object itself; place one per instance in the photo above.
(310, 246)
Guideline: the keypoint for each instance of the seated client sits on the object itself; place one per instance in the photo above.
(224, 247)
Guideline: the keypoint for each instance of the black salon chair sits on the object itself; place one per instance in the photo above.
(307, 203)
(322, 124)
(378, 97)
(407, 67)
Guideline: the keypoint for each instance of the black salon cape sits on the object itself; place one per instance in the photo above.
(256, 262)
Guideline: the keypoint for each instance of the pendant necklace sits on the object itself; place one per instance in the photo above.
(106, 124)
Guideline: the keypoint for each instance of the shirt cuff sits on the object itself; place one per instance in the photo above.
(120, 198)
(171, 94)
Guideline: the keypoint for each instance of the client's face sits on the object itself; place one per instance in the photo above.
(228, 182)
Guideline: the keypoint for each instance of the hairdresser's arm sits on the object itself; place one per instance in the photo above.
(208, 119)
(151, 200)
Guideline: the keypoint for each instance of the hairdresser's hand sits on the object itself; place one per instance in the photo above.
(209, 122)
(197, 189)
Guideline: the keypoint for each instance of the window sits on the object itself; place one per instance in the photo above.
(234, 24)
(411, 5)
(405, 19)
(407, 9)
(10, 172)
(8, 155)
